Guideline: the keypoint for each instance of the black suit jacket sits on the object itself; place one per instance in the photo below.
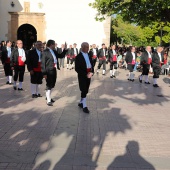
(14, 57)
(110, 55)
(32, 60)
(156, 60)
(100, 53)
(129, 57)
(144, 58)
(62, 53)
(80, 65)
(47, 61)
(4, 54)
(73, 51)
(91, 52)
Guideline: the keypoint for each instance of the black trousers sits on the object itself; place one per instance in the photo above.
(7, 69)
(68, 60)
(51, 79)
(130, 67)
(36, 78)
(156, 71)
(84, 84)
(113, 64)
(146, 68)
(72, 60)
(19, 71)
(102, 62)
(94, 61)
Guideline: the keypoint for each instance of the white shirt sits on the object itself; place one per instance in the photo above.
(54, 56)
(86, 57)
(133, 54)
(9, 51)
(114, 52)
(22, 54)
(94, 51)
(160, 57)
(149, 54)
(104, 52)
(75, 51)
(39, 54)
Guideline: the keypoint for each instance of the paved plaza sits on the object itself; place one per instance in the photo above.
(128, 127)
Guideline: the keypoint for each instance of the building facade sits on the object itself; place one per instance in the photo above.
(64, 21)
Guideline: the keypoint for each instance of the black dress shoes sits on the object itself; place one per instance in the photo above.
(34, 96)
(50, 104)
(147, 83)
(38, 95)
(155, 85)
(15, 88)
(52, 101)
(86, 110)
(132, 80)
(20, 89)
(7, 82)
(80, 105)
(111, 76)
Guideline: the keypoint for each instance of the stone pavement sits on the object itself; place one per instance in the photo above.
(128, 127)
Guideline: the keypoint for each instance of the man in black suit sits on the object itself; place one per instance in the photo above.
(157, 61)
(63, 52)
(17, 61)
(93, 54)
(130, 60)
(102, 58)
(85, 70)
(113, 61)
(6, 54)
(75, 53)
(49, 66)
(145, 62)
(34, 67)
(69, 55)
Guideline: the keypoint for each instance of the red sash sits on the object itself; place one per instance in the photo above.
(133, 62)
(149, 60)
(38, 69)
(68, 56)
(102, 58)
(74, 56)
(88, 70)
(20, 62)
(7, 60)
(114, 57)
(94, 57)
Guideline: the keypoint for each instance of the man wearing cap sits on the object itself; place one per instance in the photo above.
(102, 58)
(85, 70)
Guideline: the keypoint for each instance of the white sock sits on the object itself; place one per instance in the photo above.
(146, 78)
(10, 79)
(20, 85)
(141, 76)
(33, 88)
(129, 75)
(81, 100)
(72, 65)
(103, 71)
(114, 71)
(111, 72)
(48, 95)
(15, 83)
(154, 80)
(97, 70)
(67, 66)
(7, 78)
(38, 88)
(84, 102)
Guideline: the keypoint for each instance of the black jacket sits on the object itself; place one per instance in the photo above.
(14, 57)
(70, 52)
(100, 53)
(110, 55)
(129, 57)
(80, 65)
(156, 60)
(76, 51)
(62, 53)
(47, 61)
(144, 58)
(32, 60)
(91, 52)
(4, 54)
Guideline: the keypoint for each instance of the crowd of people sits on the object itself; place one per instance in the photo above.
(43, 60)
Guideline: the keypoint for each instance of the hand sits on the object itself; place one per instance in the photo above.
(31, 72)
(45, 76)
(12, 68)
(89, 75)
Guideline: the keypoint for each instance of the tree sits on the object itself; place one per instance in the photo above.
(141, 12)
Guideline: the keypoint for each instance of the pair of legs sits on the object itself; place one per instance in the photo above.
(156, 73)
(113, 68)
(131, 75)
(84, 84)
(94, 61)
(36, 81)
(145, 73)
(102, 62)
(18, 72)
(50, 84)
(61, 62)
(8, 72)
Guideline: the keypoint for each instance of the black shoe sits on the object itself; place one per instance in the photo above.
(52, 101)
(80, 105)
(7, 82)
(147, 83)
(140, 81)
(132, 80)
(10, 83)
(20, 89)
(15, 88)
(111, 76)
(103, 74)
(128, 79)
(50, 104)
(34, 96)
(155, 85)
(86, 110)
(38, 95)
(114, 76)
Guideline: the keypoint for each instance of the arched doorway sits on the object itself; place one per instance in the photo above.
(28, 34)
